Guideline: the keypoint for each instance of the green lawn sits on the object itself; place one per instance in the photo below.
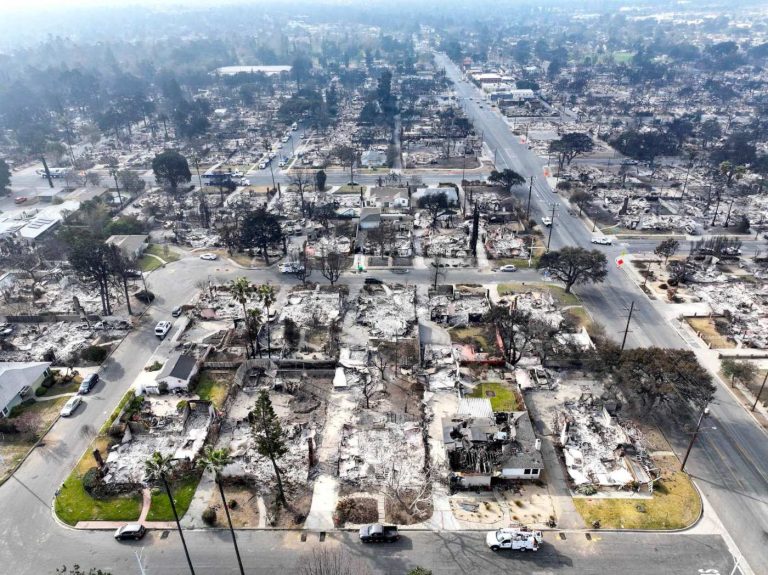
(622, 56)
(579, 314)
(160, 251)
(183, 492)
(347, 189)
(521, 263)
(557, 292)
(211, 389)
(149, 264)
(502, 396)
(675, 505)
(73, 504)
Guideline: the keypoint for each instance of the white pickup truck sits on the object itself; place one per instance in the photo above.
(515, 538)
(546, 221)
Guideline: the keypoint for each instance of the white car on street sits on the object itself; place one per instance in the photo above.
(546, 221)
(162, 328)
(209, 257)
(508, 268)
(71, 406)
(602, 240)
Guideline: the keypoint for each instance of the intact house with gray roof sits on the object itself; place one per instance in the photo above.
(484, 446)
(177, 373)
(19, 380)
(132, 245)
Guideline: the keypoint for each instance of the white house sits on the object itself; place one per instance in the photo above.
(177, 373)
(19, 380)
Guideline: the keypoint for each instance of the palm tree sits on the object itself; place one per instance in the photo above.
(156, 469)
(240, 289)
(267, 297)
(215, 460)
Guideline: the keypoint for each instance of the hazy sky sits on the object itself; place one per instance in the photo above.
(27, 5)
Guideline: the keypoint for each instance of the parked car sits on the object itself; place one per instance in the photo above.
(602, 240)
(88, 383)
(20, 200)
(133, 531)
(546, 221)
(162, 328)
(373, 281)
(282, 164)
(378, 533)
(291, 268)
(176, 312)
(71, 406)
(263, 166)
(508, 268)
(209, 257)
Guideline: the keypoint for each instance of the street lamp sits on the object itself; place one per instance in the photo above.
(704, 413)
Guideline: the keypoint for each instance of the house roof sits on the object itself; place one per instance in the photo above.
(371, 214)
(14, 375)
(128, 244)
(181, 367)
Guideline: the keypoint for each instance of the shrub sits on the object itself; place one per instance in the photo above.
(41, 391)
(7, 426)
(94, 353)
(209, 516)
(49, 355)
(91, 480)
(232, 504)
(155, 366)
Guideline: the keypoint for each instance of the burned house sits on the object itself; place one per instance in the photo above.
(484, 446)
(599, 450)
(162, 425)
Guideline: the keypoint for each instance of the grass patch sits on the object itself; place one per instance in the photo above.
(705, 327)
(59, 388)
(557, 292)
(73, 503)
(481, 336)
(183, 492)
(159, 250)
(347, 189)
(149, 264)
(129, 395)
(212, 389)
(579, 315)
(622, 56)
(502, 396)
(675, 505)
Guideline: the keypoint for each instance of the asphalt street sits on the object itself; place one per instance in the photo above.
(730, 462)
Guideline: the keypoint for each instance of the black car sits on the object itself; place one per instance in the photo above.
(377, 533)
(133, 531)
(373, 281)
(88, 383)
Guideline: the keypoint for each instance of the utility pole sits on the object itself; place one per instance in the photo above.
(704, 412)
(528, 209)
(759, 393)
(551, 225)
(626, 329)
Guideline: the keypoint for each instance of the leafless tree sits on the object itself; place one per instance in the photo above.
(304, 267)
(301, 180)
(414, 499)
(438, 271)
(369, 386)
(338, 561)
(332, 265)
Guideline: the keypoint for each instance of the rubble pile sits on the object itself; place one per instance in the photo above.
(382, 453)
(388, 312)
(312, 307)
(160, 427)
(597, 449)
